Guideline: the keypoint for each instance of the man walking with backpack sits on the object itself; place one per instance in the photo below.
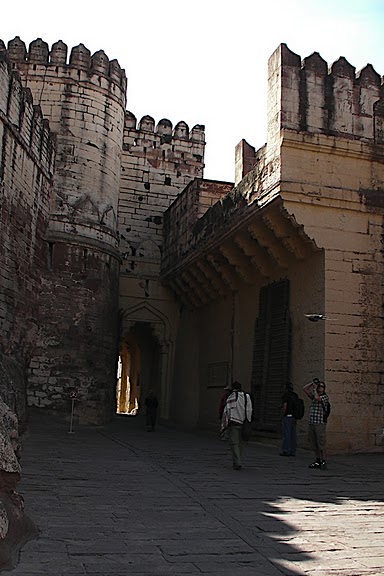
(237, 409)
(290, 413)
(320, 409)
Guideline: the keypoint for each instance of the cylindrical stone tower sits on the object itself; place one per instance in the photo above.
(84, 101)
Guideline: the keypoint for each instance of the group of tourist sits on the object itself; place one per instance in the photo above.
(235, 410)
(319, 409)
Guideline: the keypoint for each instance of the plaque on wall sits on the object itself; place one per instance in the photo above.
(217, 375)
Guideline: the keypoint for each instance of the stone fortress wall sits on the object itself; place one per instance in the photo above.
(311, 97)
(104, 162)
(84, 101)
(332, 180)
(26, 173)
(309, 206)
(308, 95)
(181, 217)
(110, 231)
(76, 344)
(157, 163)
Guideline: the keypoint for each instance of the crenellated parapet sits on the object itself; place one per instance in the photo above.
(158, 161)
(23, 119)
(308, 95)
(81, 66)
(182, 215)
(84, 100)
(164, 128)
(177, 148)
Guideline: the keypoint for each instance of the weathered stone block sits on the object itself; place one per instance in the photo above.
(15, 527)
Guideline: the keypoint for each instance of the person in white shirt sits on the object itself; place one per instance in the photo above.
(238, 408)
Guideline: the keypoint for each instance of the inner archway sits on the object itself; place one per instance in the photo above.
(139, 368)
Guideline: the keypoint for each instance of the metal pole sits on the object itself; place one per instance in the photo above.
(71, 425)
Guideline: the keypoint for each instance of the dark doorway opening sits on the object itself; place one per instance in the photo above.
(271, 355)
(138, 368)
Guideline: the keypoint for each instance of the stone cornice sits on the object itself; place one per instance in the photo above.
(336, 145)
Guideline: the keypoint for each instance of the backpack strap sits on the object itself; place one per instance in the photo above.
(323, 405)
(324, 411)
(245, 407)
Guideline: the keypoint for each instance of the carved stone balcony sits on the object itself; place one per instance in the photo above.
(235, 242)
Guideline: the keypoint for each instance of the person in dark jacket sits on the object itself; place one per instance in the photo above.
(288, 423)
(151, 404)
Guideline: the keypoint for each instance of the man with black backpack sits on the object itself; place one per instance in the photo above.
(291, 410)
(237, 410)
(318, 414)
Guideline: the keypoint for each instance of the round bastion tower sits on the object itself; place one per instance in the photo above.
(84, 101)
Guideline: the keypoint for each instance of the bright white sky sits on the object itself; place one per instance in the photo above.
(204, 61)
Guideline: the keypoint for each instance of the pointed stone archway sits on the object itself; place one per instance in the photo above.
(146, 355)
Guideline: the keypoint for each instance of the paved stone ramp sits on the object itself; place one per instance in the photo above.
(118, 501)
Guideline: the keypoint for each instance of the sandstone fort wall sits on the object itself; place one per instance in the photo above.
(77, 346)
(307, 95)
(26, 172)
(84, 101)
(180, 219)
(309, 213)
(157, 163)
(329, 130)
(102, 212)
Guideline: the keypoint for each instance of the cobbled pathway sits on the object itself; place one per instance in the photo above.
(118, 501)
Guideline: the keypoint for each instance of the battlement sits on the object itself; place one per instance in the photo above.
(80, 59)
(165, 144)
(308, 95)
(24, 119)
(164, 132)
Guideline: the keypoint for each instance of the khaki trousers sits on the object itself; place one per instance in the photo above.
(235, 443)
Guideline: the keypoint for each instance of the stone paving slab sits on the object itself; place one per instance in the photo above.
(117, 500)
